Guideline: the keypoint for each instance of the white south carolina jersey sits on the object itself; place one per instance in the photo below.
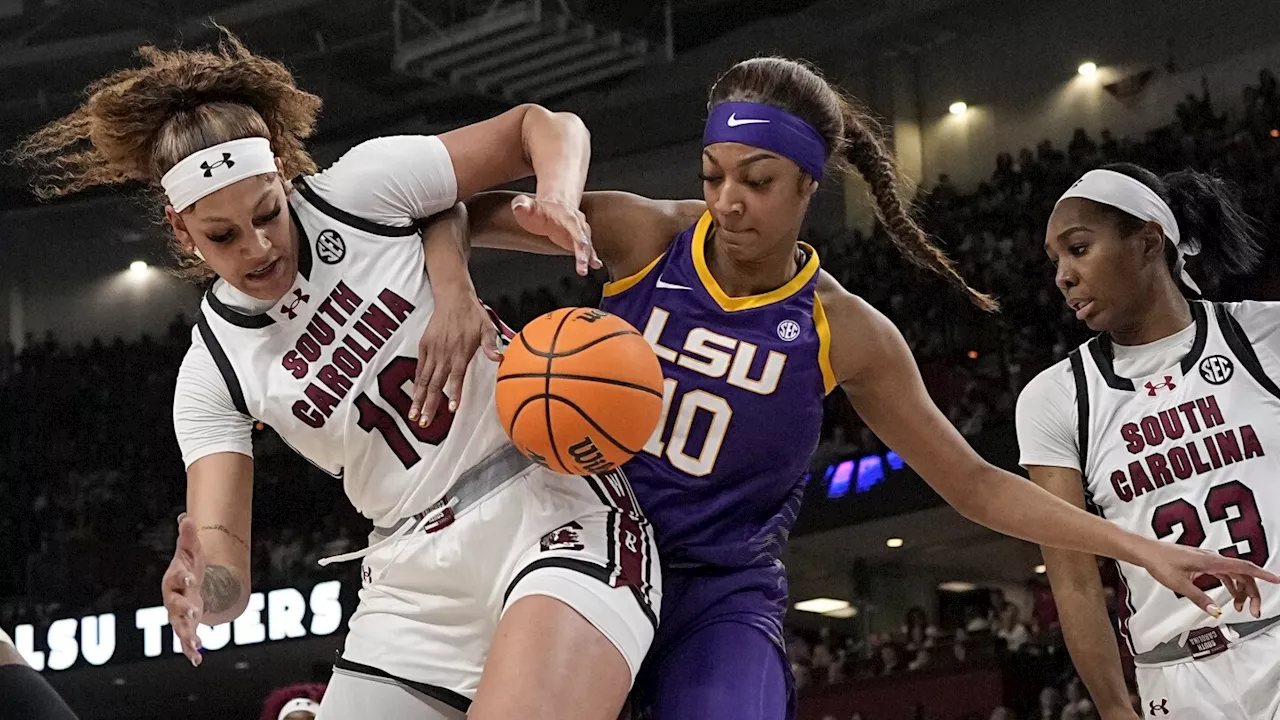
(1189, 453)
(330, 366)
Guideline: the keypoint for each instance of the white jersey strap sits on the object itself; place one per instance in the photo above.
(1239, 344)
(223, 362)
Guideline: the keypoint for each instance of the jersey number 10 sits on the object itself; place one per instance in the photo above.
(1246, 527)
(391, 382)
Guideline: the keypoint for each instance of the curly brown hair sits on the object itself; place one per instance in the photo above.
(138, 123)
(854, 138)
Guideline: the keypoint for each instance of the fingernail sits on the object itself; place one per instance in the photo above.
(413, 414)
(1214, 611)
(194, 663)
(180, 516)
(425, 421)
(453, 406)
(191, 614)
(188, 580)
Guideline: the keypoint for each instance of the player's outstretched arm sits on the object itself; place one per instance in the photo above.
(875, 367)
(208, 580)
(529, 139)
(628, 231)
(1082, 607)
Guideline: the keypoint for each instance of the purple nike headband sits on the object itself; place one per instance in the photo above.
(768, 128)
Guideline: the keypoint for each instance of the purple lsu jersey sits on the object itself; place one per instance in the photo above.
(722, 477)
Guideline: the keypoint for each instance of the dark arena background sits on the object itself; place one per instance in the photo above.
(902, 610)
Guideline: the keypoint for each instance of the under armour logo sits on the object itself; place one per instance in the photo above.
(1162, 706)
(226, 160)
(1166, 385)
(298, 299)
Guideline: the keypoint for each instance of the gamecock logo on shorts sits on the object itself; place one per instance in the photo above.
(563, 538)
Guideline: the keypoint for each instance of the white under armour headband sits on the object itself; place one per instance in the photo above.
(299, 705)
(1124, 193)
(207, 171)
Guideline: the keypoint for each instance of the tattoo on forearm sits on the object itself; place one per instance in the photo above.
(220, 590)
(223, 529)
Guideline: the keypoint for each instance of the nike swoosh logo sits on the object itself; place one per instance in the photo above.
(664, 285)
(733, 121)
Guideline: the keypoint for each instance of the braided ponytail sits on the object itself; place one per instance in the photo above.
(853, 137)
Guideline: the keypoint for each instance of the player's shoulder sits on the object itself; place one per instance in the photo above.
(1254, 316)
(846, 311)
(1051, 385)
(630, 230)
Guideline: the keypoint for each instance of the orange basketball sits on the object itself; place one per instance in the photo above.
(579, 391)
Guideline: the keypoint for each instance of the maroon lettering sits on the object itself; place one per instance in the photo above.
(294, 364)
(1172, 424)
(308, 414)
(309, 348)
(1188, 410)
(345, 298)
(326, 306)
(337, 383)
(1138, 478)
(323, 401)
(364, 353)
(1210, 411)
(1200, 466)
(1159, 467)
(398, 306)
(1151, 431)
(379, 322)
(1228, 446)
(1132, 438)
(1120, 484)
(1212, 448)
(1252, 448)
(370, 335)
(321, 330)
(345, 361)
(1180, 462)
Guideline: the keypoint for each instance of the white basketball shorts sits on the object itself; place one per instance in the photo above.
(431, 601)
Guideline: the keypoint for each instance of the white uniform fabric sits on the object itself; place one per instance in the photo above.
(1239, 684)
(1181, 443)
(329, 367)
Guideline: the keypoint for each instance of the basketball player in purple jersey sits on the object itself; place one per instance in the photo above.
(752, 336)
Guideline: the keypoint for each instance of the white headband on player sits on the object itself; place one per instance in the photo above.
(207, 171)
(1124, 193)
(299, 705)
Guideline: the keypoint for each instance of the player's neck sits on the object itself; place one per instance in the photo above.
(740, 274)
(1167, 314)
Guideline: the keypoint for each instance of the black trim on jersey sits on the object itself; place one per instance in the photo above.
(1242, 348)
(445, 695)
(347, 218)
(224, 364)
(304, 245)
(1082, 411)
(1104, 354)
(590, 569)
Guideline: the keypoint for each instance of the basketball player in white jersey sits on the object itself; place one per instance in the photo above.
(1168, 424)
(491, 587)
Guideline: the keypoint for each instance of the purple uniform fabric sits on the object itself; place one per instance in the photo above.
(723, 478)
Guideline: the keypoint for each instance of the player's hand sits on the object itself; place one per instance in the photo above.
(181, 588)
(1177, 567)
(560, 222)
(459, 325)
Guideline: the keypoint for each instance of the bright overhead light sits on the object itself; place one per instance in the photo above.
(1039, 569)
(138, 267)
(1088, 69)
(822, 605)
(959, 108)
(957, 586)
(894, 542)
(842, 613)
